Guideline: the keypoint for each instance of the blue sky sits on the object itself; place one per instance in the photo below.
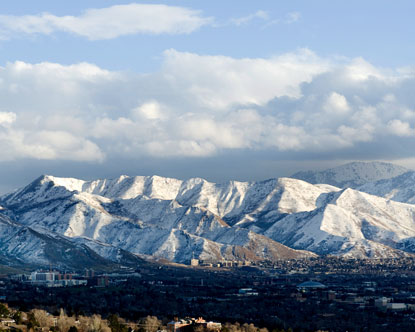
(223, 90)
(379, 31)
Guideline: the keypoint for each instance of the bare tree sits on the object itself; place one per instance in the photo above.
(199, 328)
(64, 322)
(93, 324)
(151, 324)
(233, 327)
(43, 318)
(83, 325)
(249, 328)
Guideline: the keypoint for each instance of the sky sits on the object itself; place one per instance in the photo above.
(223, 90)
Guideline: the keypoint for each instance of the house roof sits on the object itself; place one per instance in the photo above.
(311, 284)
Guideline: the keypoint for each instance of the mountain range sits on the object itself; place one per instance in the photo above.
(123, 221)
(352, 175)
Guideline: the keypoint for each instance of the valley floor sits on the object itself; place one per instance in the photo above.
(344, 295)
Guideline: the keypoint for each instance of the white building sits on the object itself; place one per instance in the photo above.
(396, 306)
(43, 276)
(381, 302)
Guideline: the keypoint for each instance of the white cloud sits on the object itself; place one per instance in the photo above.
(108, 23)
(151, 110)
(129, 19)
(400, 128)
(337, 104)
(200, 106)
(260, 14)
(220, 81)
(47, 145)
(289, 18)
(7, 118)
(360, 70)
(292, 17)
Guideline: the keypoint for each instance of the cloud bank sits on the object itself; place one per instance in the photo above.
(108, 23)
(200, 106)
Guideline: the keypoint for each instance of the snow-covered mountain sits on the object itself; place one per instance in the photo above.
(400, 188)
(22, 245)
(352, 175)
(350, 223)
(141, 216)
(121, 219)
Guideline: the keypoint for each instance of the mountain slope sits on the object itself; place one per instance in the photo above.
(237, 203)
(174, 219)
(21, 245)
(353, 174)
(400, 188)
(136, 223)
(351, 223)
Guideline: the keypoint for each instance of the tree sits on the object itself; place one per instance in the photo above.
(115, 324)
(93, 324)
(73, 329)
(31, 321)
(151, 324)
(233, 327)
(4, 311)
(42, 317)
(249, 328)
(199, 328)
(64, 322)
(17, 316)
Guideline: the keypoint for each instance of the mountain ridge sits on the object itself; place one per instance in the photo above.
(175, 219)
(399, 188)
(352, 175)
(158, 224)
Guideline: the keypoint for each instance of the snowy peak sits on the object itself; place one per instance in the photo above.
(40, 190)
(130, 187)
(350, 223)
(352, 174)
(228, 200)
(21, 245)
(70, 184)
(156, 216)
(174, 219)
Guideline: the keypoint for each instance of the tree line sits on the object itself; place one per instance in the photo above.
(39, 320)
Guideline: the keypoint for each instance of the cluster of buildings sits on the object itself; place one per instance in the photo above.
(337, 265)
(197, 262)
(58, 279)
(189, 324)
(55, 279)
(385, 303)
(247, 292)
(367, 296)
